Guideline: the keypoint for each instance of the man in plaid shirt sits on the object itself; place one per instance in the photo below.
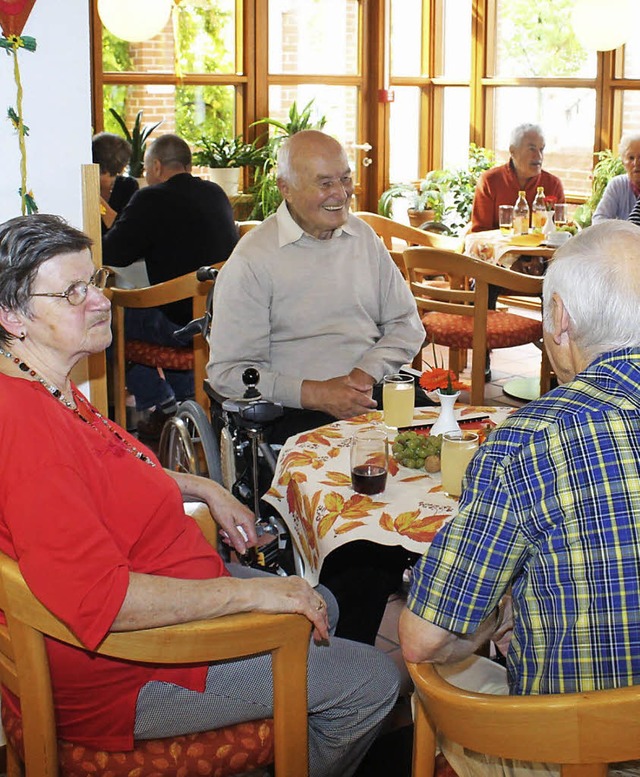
(550, 509)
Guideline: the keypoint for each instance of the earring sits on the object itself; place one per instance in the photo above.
(22, 335)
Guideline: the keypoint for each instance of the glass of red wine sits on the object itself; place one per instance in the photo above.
(369, 461)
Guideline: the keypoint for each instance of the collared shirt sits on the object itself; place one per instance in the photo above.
(299, 308)
(551, 506)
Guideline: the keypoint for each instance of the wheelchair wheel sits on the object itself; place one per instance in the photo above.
(188, 443)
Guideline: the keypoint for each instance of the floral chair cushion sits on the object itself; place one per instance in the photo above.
(164, 356)
(226, 751)
(504, 330)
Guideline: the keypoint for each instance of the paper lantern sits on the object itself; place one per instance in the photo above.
(134, 20)
(602, 28)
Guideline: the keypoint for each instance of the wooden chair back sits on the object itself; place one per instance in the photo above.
(581, 731)
(399, 236)
(24, 667)
(185, 287)
(246, 226)
(466, 295)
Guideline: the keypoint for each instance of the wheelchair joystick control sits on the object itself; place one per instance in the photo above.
(251, 378)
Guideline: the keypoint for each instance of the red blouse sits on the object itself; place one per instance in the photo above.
(79, 512)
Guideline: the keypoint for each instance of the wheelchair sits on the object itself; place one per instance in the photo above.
(233, 450)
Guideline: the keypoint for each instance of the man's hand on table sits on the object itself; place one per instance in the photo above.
(341, 397)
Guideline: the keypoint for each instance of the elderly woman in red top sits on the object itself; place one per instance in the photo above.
(101, 537)
(523, 172)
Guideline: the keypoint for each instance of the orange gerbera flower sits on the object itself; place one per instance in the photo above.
(437, 378)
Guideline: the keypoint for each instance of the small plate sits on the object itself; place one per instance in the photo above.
(531, 240)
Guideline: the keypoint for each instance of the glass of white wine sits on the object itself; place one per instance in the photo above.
(505, 219)
(398, 400)
(560, 217)
(457, 451)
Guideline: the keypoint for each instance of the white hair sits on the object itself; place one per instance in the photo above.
(521, 130)
(625, 141)
(597, 276)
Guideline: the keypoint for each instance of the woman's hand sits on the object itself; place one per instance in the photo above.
(291, 594)
(107, 213)
(235, 520)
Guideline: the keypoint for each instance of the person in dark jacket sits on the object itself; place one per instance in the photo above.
(176, 224)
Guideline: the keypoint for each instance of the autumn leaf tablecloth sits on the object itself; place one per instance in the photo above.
(311, 490)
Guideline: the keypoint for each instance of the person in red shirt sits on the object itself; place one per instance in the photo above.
(99, 531)
(523, 172)
(500, 186)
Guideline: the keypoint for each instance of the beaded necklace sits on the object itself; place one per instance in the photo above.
(57, 394)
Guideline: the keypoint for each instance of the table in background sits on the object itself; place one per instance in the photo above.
(494, 247)
(311, 490)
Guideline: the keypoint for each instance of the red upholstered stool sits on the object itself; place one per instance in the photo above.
(164, 356)
(226, 751)
(504, 330)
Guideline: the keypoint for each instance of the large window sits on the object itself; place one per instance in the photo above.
(405, 93)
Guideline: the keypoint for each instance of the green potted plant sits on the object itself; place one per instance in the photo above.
(607, 167)
(425, 202)
(226, 157)
(265, 192)
(137, 137)
(442, 196)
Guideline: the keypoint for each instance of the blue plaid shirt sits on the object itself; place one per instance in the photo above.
(551, 506)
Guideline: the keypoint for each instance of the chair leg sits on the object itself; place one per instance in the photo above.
(14, 767)
(424, 742)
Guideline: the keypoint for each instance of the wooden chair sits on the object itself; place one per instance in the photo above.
(398, 236)
(583, 732)
(167, 357)
(457, 315)
(246, 226)
(32, 740)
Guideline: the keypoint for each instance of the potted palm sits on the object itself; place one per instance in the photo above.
(226, 158)
(137, 137)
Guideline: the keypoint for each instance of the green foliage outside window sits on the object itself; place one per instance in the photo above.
(204, 110)
(200, 48)
(540, 42)
(115, 57)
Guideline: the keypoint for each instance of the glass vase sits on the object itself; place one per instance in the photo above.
(446, 420)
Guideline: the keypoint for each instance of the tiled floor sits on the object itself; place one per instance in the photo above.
(522, 361)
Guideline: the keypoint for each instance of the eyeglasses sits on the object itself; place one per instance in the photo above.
(76, 294)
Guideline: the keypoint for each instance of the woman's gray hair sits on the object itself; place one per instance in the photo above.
(521, 130)
(26, 243)
(625, 141)
(597, 276)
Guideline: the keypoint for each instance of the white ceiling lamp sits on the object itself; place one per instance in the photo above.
(134, 20)
(602, 27)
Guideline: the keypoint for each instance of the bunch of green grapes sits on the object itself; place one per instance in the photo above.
(417, 451)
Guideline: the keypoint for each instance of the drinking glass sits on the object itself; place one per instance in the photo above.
(505, 219)
(560, 214)
(369, 461)
(397, 400)
(457, 450)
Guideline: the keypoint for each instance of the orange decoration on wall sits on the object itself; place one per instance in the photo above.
(14, 15)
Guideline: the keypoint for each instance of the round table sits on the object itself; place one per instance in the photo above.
(311, 490)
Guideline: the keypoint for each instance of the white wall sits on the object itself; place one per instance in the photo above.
(57, 109)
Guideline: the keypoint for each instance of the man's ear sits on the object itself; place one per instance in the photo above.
(285, 189)
(12, 322)
(560, 318)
